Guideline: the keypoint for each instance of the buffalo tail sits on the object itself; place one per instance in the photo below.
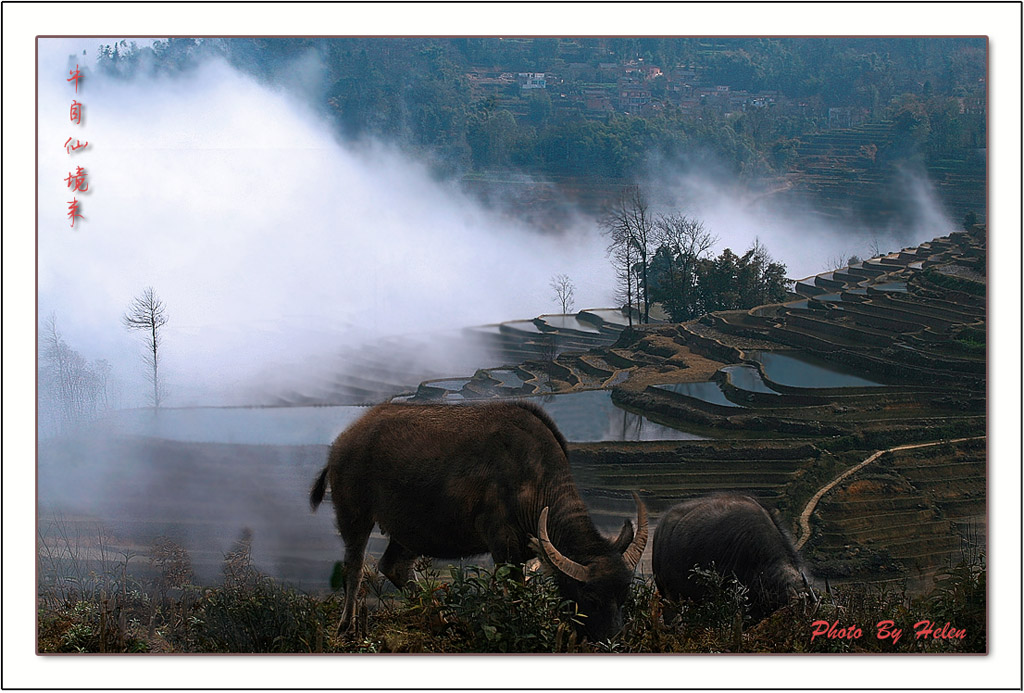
(316, 494)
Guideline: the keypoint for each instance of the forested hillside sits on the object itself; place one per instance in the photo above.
(602, 107)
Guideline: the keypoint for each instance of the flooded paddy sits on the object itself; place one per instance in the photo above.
(506, 378)
(615, 317)
(709, 392)
(796, 369)
(591, 416)
(747, 377)
(581, 416)
(527, 326)
(451, 385)
(570, 322)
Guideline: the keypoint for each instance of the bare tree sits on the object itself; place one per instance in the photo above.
(102, 369)
(840, 261)
(147, 314)
(629, 226)
(688, 243)
(835, 262)
(69, 389)
(565, 291)
(684, 235)
(622, 257)
(875, 248)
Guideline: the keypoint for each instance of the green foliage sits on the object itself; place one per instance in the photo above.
(416, 91)
(491, 610)
(258, 616)
(969, 342)
(495, 610)
(715, 622)
(690, 286)
(337, 581)
(959, 598)
(98, 625)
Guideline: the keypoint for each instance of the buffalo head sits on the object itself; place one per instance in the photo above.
(598, 583)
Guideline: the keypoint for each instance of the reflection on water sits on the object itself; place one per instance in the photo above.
(453, 385)
(570, 322)
(796, 369)
(593, 417)
(747, 377)
(522, 326)
(615, 317)
(706, 392)
(581, 416)
(507, 379)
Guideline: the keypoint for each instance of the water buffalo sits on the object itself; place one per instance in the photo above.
(449, 481)
(740, 537)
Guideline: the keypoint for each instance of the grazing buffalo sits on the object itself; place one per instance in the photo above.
(449, 481)
(737, 535)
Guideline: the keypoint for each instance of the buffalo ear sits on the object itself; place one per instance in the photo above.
(625, 537)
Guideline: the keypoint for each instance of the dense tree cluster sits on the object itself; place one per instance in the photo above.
(689, 285)
(666, 258)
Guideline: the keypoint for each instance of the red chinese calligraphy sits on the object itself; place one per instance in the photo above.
(76, 146)
(76, 181)
(75, 77)
(73, 212)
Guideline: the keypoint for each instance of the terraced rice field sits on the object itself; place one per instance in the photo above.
(879, 354)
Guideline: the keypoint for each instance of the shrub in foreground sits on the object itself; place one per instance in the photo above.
(471, 609)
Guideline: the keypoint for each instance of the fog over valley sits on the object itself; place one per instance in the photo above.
(268, 240)
(273, 243)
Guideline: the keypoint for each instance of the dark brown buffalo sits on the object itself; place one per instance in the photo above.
(736, 534)
(449, 481)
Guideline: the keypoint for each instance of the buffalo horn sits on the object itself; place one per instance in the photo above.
(566, 565)
(635, 550)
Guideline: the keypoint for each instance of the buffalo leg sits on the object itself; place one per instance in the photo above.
(355, 547)
(396, 564)
(504, 546)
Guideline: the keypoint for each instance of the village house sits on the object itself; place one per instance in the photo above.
(532, 80)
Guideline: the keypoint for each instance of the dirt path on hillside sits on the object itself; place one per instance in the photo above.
(805, 516)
